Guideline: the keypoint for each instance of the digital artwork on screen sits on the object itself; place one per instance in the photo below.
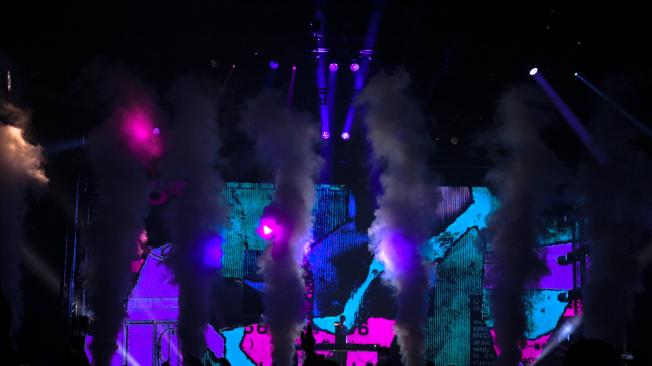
(342, 278)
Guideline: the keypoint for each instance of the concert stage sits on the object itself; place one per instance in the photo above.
(343, 278)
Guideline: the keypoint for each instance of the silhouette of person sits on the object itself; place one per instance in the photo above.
(308, 341)
(340, 340)
(340, 331)
(308, 344)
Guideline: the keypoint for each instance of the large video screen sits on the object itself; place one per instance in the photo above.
(343, 278)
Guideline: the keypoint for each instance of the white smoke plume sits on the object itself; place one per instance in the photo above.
(617, 207)
(524, 179)
(122, 191)
(284, 143)
(407, 207)
(196, 216)
(21, 166)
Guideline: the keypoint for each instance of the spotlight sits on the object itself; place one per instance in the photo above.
(273, 64)
(534, 71)
(333, 67)
(269, 228)
(325, 135)
(345, 136)
(355, 67)
(156, 131)
(576, 74)
(294, 67)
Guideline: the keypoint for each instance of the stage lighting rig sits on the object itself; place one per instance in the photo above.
(574, 256)
(321, 95)
(315, 28)
(367, 53)
(319, 52)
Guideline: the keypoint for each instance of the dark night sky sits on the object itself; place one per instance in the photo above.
(462, 55)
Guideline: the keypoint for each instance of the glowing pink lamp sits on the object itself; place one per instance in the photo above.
(268, 228)
(141, 135)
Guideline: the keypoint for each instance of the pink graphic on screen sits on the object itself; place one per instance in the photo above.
(257, 345)
(256, 342)
(532, 348)
(377, 331)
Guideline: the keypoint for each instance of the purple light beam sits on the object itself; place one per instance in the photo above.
(330, 93)
(322, 95)
(291, 87)
(321, 53)
(361, 75)
(570, 117)
(635, 121)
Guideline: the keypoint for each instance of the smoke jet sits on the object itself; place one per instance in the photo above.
(196, 216)
(122, 194)
(21, 166)
(524, 180)
(284, 143)
(616, 207)
(407, 208)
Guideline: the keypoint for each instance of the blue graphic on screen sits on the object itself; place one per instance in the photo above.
(346, 279)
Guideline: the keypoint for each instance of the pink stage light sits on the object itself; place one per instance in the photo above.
(355, 67)
(325, 135)
(141, 135)
(269, 228)
(138, 124)
(345, 136)
(333, 67)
